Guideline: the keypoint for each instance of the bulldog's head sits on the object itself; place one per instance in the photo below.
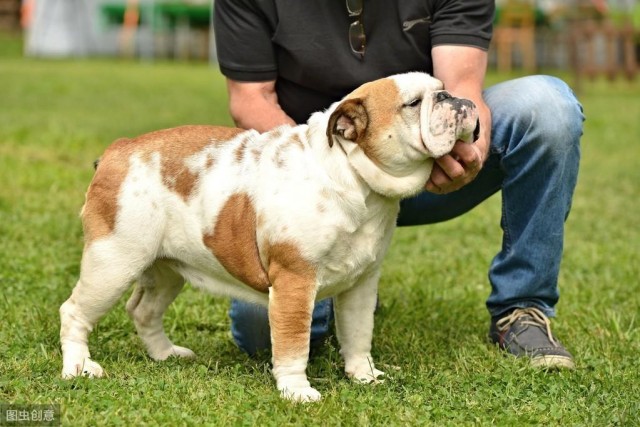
(393, 128)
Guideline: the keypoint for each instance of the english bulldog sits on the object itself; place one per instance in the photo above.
(282, 218)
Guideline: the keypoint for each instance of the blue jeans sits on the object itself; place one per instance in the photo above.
(533, 159)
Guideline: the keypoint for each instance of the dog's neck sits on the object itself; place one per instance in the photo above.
(381, 181)
(333, 159)
(362, 171)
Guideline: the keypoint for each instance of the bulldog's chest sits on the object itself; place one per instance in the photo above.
(345, 245)
(351, 257)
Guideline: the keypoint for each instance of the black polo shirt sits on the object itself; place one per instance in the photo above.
(304, 44)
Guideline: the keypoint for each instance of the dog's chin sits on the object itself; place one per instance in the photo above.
(425, 151)
(406, 185)
(439, 147)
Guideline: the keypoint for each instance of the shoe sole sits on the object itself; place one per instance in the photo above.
(553, 362)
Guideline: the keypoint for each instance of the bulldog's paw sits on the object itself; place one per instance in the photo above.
(296, 388)
(364, 372)
(182, 352)
(175, 351)
(300, 394)
(86, 368)
(372, 376)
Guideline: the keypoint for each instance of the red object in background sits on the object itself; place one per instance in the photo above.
(26, 13)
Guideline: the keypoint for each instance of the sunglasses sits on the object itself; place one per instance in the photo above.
(357, 38)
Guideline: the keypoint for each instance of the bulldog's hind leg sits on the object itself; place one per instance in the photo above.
(158, 286)
(106, 273)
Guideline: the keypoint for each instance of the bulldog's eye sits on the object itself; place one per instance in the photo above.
(413, 103)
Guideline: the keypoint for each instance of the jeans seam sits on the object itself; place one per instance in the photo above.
(505, 222)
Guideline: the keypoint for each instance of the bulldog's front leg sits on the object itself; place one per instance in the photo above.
(354, 310)
(291, 299)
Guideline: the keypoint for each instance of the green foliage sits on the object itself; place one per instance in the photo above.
(56, 117)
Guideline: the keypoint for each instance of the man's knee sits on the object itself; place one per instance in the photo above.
(557, 111)
(542, 107)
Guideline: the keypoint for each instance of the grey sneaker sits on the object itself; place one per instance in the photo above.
(526, 332)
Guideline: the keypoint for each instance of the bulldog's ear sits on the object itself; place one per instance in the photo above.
(349, 120)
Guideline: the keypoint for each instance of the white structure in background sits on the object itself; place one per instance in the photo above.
(74, 28)
(61, 28)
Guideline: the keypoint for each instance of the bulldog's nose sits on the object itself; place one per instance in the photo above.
(442, 96)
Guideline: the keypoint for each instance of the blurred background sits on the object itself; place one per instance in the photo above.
(77, 74)
(586, 37)
(133, 28)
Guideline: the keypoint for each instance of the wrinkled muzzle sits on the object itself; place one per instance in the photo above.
(445, 120)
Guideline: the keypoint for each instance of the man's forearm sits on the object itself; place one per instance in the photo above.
(255, 106)
(260, 115)
(462, 70)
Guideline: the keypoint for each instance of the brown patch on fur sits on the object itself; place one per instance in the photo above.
(211, 160)
(275, 133)
(174, 145)
(182, 183)
(278, 156)
(325, 194)
(291, 300)
(295, 139)
(381, 102)
(256, 154)
(233, 242)
(101, 205)
(241, 149)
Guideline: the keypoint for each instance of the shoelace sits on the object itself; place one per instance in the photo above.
(535, 318)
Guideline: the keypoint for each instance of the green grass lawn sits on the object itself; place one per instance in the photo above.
(56, 117)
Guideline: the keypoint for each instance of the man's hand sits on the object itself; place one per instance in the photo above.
(456, 169)
(462, 70)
